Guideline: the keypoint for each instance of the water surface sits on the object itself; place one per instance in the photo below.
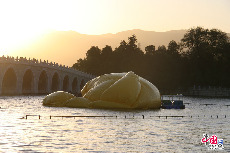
(128, 132)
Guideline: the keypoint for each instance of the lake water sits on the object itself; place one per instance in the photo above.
(128, 132)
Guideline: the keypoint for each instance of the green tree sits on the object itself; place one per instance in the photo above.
(107, 51)
(80, 65)
(128, 56)
(93, 52)
(93, 64)
(107, 61)
(204, 50)
(173, 48)
(161, 49)
(149, 50)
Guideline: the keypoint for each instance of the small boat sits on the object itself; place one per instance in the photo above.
(172, 102)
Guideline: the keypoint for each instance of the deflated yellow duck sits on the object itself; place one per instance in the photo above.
(110, 91)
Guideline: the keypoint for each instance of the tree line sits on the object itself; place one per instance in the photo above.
(201, 58)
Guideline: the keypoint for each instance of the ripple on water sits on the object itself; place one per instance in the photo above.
(120, 134)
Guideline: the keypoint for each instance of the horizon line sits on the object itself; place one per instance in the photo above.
(110, 33)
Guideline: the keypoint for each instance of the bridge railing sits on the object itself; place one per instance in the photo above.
(44, 63)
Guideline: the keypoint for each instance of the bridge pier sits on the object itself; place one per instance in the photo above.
(78, 87)
(0, 86)
(49, 84)
(69, 86)
(19, 83)
(35, 80)
(1, 78)
(19, 88)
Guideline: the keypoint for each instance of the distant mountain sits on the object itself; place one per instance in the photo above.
(66, 47)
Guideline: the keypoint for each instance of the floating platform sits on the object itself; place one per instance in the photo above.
(172, 102)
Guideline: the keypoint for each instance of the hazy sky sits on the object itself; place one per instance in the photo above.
(23, 20)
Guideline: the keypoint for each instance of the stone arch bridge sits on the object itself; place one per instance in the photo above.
(30, 76)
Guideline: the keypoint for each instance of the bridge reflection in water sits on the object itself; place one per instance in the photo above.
(30, 76)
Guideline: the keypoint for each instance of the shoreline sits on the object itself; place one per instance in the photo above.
(210, 92)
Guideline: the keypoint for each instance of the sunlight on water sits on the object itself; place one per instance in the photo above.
(128, 132)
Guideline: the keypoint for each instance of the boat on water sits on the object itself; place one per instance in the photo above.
(172, 102)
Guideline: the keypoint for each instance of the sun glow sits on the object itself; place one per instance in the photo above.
(24, 21)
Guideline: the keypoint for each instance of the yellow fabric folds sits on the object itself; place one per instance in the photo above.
(111, 91)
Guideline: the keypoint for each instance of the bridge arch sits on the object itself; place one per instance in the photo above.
(28, 82)
(43, 83)
(55, 82)
(66, 83)
(9, 82)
